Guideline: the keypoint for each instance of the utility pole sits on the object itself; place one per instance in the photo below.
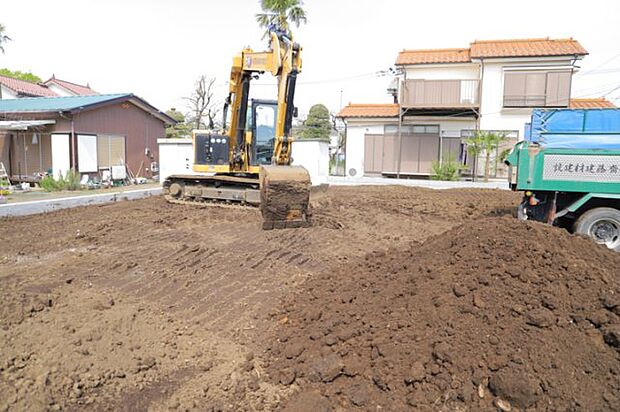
(400, 124)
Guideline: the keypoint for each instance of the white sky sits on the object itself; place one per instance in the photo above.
(156, 49)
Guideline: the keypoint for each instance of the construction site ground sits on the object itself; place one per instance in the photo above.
(397, 298)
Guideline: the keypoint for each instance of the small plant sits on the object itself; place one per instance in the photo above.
(70, 181)
(49, 184)
(484, 142)
(504, 154)
(449, 169)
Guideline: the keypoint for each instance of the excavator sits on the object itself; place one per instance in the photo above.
(249, 161)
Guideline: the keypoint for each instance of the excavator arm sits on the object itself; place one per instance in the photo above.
(283, 60)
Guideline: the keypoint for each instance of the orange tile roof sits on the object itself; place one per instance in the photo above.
(593, 103)
(431, 56)
(526, 48)
(494, 48)
(369, 110)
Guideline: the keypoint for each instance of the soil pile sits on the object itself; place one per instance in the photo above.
(147, 305)
(493, 314)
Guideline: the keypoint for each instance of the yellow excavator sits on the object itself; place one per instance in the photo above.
(249, 161)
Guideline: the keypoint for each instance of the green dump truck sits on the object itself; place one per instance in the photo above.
(569, 170)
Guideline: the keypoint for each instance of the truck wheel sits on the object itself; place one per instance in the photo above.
(602, 224)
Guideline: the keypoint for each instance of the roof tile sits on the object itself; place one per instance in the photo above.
(431, 56)
(74, 88)
(494, 48)
(369, 110)
(526, 48)
(25, 88)
(591, 103)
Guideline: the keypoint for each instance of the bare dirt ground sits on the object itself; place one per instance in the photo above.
(145, 305)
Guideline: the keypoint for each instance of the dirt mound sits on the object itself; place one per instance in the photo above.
(492, 314)
(146, 305)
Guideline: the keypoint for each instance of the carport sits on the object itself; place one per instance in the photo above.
(26, 147)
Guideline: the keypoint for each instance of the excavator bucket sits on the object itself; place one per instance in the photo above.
(284, 196)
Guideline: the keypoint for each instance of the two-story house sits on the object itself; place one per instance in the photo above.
(441, 96)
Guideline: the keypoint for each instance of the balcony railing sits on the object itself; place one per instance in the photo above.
(419, 93)
(534, 101)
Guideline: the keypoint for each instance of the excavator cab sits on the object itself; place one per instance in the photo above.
(262, 125)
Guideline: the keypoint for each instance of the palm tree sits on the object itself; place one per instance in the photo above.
(281, 13)
(486, 142)
(3, 38)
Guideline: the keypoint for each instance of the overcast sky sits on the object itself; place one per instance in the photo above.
(157, 48)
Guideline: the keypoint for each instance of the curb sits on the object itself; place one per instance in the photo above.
(50, 205)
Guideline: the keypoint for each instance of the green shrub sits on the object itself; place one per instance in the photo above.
(48, 184)
(448, 170)
(70, 181)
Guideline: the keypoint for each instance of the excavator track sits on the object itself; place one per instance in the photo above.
(209, 203)
(281, 192)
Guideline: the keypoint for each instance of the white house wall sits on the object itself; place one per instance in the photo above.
(175, 157)
(449, 127)
(355, 146)
(493, 114)
(444, 72)
(7, 93)
(59, 90)
(314, 156)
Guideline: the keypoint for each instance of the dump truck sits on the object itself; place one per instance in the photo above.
(568, 168)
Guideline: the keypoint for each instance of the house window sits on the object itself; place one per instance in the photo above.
(110, 151)
(536, 88)
(413, 129)
(434, 129)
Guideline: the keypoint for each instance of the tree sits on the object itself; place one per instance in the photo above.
(280, 13)
(202, 104)
(318, 125)
(19, 75)
(486, 142)
(181, 129)
(3, 38)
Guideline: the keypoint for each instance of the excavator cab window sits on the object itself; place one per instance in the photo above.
(263, 130)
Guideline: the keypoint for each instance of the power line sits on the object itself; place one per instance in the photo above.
(362, 76)
(603, 71)
(599, 66)
(597, 88)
